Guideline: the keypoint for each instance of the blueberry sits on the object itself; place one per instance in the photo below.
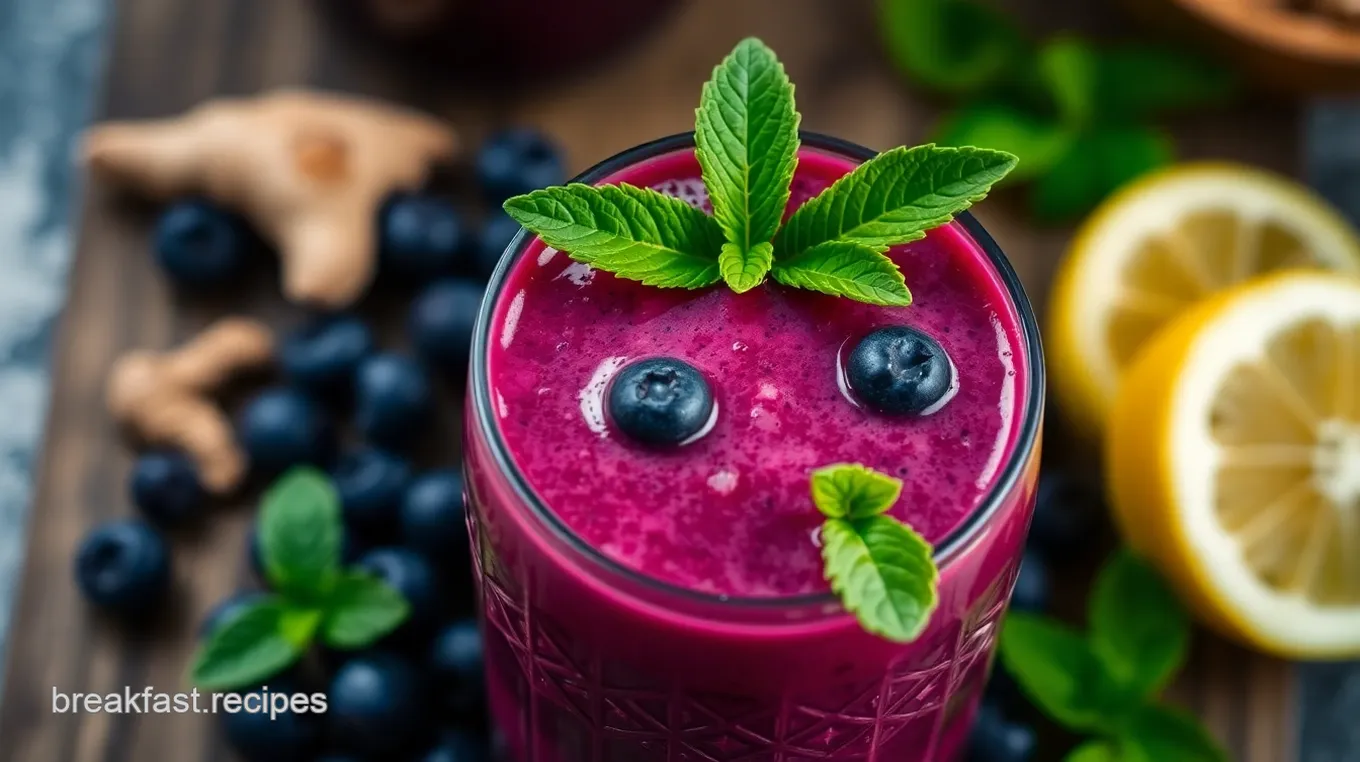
(456, 665)
(441, 322)
(660, 401)
(433, 521)
(282, 427)
(228, 609)
(411, 575)
(371, 483)
(378, 706)
(1068, 514)
(322, 355)
(517, 161)
(124, 566)
(394, 400)
(1032, 591)
(899, 370)
(497, 232)
(269, 734)
(200, 245)
(456, 746)
(165, 486)
(421, 236)
(996, 739)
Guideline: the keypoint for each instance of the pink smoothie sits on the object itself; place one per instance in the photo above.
(693, 574)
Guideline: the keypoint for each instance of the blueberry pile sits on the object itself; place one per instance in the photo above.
(1067, 526)
(360, 412)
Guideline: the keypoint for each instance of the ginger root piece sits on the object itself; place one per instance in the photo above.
(164, 396)
(308, 169)
(1345, 9)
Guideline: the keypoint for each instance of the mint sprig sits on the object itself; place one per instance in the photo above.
(881, 568)
(300, 533)
(746, 141)
(1106, 682)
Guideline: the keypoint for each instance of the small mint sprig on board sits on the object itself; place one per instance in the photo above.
(883, 571)
(300, 538)
(746, 141)
(1106, 682)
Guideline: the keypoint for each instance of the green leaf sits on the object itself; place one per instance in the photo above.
(894, 198)
(1098, 163)
(1058, 670)
(841, 268)
(746, 140)
(850, 490)
(954, 46)
(884, 574)
(1143, 80)
(744, 270)
(1159, 733)
(1036, 142)
(362, 609)
(634, 233)
(1139, 630)
(300, 534)
(1094, 751)
(259, 643)
(1070, 70)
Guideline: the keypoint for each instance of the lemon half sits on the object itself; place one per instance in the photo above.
(1163, 244)
(1233, 451)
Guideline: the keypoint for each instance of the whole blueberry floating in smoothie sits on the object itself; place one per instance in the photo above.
(678, 428)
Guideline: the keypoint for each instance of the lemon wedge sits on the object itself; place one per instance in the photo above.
(1163, 244)
(1233, 454)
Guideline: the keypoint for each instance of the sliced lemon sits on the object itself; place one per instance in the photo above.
(1161, 245)
(1233, 451)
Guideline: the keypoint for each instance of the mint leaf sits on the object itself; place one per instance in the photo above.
(849, 490)
(744, 270)
(844, 268)
(300, 534)
(1143, 80)
(894, 198)
(954, 46)
(255, 645)
(1160, 733)
(1070, 69)
(746, 140)
(1058, 670)
(362, 609)
(1139, 630)
(884, 574)
(634, 233)
(1037, 143)
(1099, 162)
(1094, 751)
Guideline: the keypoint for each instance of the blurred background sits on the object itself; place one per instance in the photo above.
(1091, 94)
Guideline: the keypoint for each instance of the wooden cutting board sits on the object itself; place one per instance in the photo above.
(167, 55)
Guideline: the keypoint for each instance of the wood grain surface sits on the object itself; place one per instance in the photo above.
(167, 55)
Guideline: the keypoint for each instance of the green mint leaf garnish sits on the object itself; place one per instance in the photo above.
(843, 268)
(1038, 143)
(954, 46)
(1070, 68)
(894, 198)
(1138, 628)
(746, 140)
(1095, 751)
(1098, 162)
(1158, 733)
(254, 646)
(849, 490)
(883, 570)
(300, 534)
(1059, 671)
(361, 609)
(634, 233)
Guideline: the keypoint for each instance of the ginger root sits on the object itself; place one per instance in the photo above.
(309, 170)
(164, 397)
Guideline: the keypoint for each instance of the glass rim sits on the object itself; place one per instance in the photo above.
(961, 537)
